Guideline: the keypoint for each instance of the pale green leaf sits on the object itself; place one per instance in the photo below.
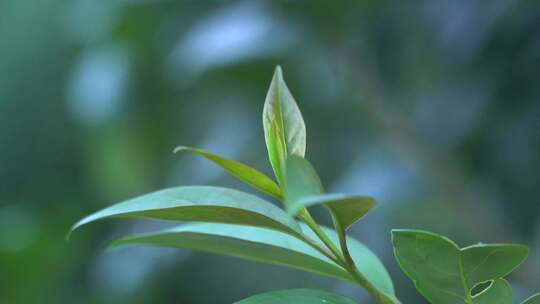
(444, 273)
(297, 296)
(201, 203)
(499, 292)
(284, 128)
(301, 180)
(250, 243)
(535, 299)
(270, 246)
(241, 171)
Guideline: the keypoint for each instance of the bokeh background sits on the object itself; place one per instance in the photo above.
(432, 107)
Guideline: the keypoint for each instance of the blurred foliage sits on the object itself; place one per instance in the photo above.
(426, 105)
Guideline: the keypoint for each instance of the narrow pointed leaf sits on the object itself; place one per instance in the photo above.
(201, 203)
(297, 296)
(284, 128)
(445, 274)
(499, 292)
(250, 243)
(241, 171)
(535, 299)
(269, 246)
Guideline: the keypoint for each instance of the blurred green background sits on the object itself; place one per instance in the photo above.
(433, 107)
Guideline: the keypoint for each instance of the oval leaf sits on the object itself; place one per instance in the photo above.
(445, 274)
(533, 300)
(284, 128)
(297, 296)
(201, 203)
(484, 262)
(499, 292)
(241, 171)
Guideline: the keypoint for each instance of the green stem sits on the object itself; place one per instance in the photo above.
(320, 249)
(345, 260)
(306, 217)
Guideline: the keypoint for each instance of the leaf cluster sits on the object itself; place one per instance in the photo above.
(230, 222)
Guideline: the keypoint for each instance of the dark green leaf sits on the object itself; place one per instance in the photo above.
(484, 262)
(346, 209)
(443, 272)
(284, 128)
(499, 292)
(535, 299)
(241, 171)
(297, 296)
(201, 203)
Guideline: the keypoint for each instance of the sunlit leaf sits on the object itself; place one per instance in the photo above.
(297, 296)
(269, 246)
(535, 299)
(250, 243)
(444, 273)
(284, 128)
(499, 292)
(241, 171)
(201, 203)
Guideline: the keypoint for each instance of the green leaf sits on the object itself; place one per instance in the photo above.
(369, 265)
(303, 188)
(284, 128)
(250, 243)
(201, 203)
(301, 180)
(484, 262)
(499, 292)
(241, 171)
(535, 299)
(297, 296)
(269, 246)
(346, 209)
(445, 274)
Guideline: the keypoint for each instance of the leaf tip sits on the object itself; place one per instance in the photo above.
(278, 71)
(114, 245)
(179, 148)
